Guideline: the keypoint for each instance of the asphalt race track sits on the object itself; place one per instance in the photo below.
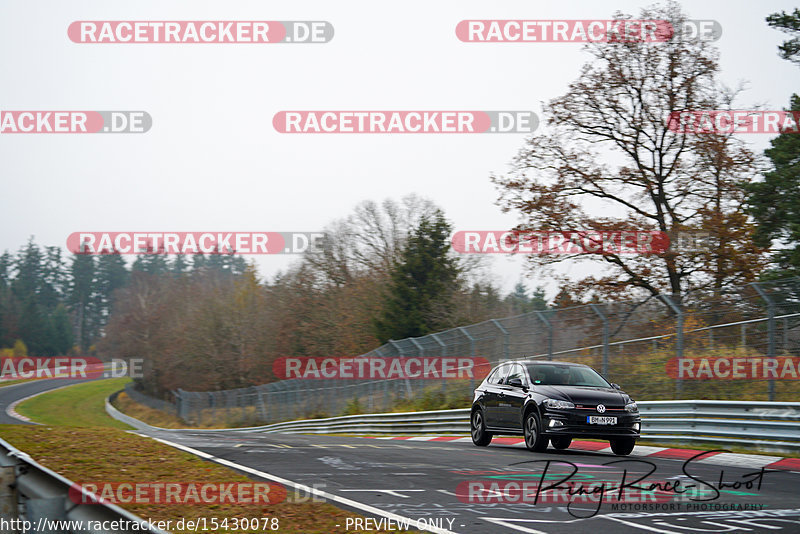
(13, 393)
(427, 482)
(420, 480)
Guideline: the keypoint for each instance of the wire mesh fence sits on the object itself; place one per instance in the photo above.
(633, 343)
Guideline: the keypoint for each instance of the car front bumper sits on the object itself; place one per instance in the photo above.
(574, 423)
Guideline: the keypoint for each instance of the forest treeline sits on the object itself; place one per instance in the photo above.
(604, 160)
(208, 322)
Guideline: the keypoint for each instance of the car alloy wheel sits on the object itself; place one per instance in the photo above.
(480, 436)
(534, 440)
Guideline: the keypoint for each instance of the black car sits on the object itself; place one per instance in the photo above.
(550, 401)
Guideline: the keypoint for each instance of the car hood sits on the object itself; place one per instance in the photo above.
(584, 395)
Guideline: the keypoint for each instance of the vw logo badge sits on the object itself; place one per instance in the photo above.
(601, 408)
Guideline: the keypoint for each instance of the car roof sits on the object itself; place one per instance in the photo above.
(548, 362)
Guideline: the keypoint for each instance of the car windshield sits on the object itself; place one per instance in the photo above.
(565, 375)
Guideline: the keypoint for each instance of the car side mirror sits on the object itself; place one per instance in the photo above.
(515, 382)
(615, 386)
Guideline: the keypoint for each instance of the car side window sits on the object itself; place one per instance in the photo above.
(538, 374)
(516, 372)
(498, 375)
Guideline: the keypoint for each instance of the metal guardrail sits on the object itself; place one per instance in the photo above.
(31, 492)
(444, 421)
(757, 425)
(768, 426)
(141, 425)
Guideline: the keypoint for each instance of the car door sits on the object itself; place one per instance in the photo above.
(512, 398)
(492, 396)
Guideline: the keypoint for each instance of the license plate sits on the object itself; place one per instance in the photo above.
(597, 420)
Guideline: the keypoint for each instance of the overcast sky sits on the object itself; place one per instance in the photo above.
(212, 160)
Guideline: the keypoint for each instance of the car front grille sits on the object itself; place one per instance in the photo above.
(594, 407)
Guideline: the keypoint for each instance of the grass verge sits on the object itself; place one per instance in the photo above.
(97, 449)
(152, 416)
(83, 405)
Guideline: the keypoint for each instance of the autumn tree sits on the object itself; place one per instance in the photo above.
(422, 280)
(774, 202)
(81, 298)
(520, 302)
(608, 161)
(788, 23)
(369, 240)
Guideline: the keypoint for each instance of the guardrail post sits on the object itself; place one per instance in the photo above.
(275, 396)
(420, 349)
(443, 352)
(676, 308)
(472, 350)
(770, 331)
(212, 403)
(270, 402)
(8, 493)
(297, 413)
(261, 409)
(549, 326)
(178, 403)
(786, 335)
(506, 343)
(441, 344)
(396, 346)
(603, 318)
(385, 382)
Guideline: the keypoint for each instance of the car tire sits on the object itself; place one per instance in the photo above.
(480, 436)
(622, 446)
(534, 439)
(561, 442)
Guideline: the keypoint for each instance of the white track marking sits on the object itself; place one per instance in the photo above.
(640, 527)
(740, 460)
(394, 492)
(644, 450)
(302, 487)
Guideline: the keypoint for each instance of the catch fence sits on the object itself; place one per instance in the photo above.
(630, 342)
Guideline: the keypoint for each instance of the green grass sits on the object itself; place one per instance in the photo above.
(84, 444)
(99, 455)
(80, 405)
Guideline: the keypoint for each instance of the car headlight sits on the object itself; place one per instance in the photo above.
(631, 407)
(558, 404)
